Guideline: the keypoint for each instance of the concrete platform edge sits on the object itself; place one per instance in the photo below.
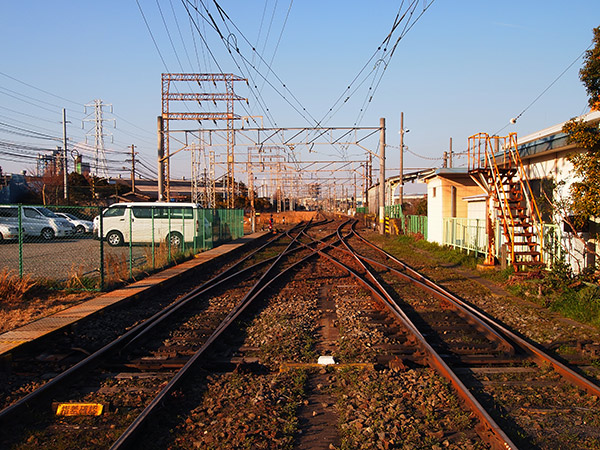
(12, 339)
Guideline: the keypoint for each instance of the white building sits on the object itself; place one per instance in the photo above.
(457, 205)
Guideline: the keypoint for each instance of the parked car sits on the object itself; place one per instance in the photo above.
(36, 221)
(81, 225)
(147, 222)
(8, 232)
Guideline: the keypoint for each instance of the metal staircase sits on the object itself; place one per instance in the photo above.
(495, 165)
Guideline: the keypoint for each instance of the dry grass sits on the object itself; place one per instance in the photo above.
(116, 268)
(23, 300)
(161, 256)
(14, 289)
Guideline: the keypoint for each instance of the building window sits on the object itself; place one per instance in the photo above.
(433, 193)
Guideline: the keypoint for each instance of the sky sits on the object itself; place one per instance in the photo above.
(460, 67)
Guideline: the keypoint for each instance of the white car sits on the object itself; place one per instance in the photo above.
(8, 232)
(81, 226)
(146, 222)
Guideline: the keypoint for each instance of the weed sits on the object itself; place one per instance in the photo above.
(14, 288)
(582, 305)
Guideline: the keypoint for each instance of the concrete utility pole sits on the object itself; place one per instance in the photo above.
(381, 175)
(366, 187)
(355, 199)
(161, 159)
(450, 155)
(65, 160)
(133, 153)
(401, 188)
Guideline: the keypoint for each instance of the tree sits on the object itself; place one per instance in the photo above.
(590, 72)
(585, 193)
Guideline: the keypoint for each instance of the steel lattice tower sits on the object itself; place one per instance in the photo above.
(229, 97)
(100, 164)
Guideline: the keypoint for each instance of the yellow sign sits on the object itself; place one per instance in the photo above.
(79, 409)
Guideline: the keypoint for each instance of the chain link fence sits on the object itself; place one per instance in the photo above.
(94, 248)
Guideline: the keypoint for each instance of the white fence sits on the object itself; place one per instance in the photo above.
(470, 235)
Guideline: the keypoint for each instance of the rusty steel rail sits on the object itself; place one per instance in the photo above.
(127, 438)
(489, 429)
(504, 344)
(537, 354)
(141, 329)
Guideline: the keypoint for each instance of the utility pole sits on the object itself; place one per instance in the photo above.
(381, 175)
(171, 94)
(450, 155)
(366, 187)
(251, 194)
(401, 189)
(354, 202)
(161, 159)
(65, 160)
(133, 153)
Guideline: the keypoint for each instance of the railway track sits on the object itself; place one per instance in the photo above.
(316, 340)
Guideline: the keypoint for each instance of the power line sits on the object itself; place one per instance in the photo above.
(41, 90)
(210, 51)
(180, 34)
(169, 35)
(28, 133)
(518, 116)
(228, 45)
(152, 35)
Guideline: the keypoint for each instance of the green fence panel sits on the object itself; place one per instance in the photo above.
(394, 211)
(51, 243)
(63, 244)
(417, 225)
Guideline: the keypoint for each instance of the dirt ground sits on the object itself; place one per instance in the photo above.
(15, 314)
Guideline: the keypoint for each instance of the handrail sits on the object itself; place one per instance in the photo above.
(506, 149)
(531, 201)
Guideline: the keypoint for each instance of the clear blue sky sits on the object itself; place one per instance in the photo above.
(465, 66)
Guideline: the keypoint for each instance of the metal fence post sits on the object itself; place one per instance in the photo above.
(477, 235)
(153, 256)
(102, 274)
(130, 246)
(20, 222)
(169, 235)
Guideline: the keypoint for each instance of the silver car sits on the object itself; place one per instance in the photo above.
(81, 225)
(8, 233)
(36, 221)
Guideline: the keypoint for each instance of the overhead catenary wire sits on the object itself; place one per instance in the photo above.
(180, 34)
(298, 107)
(151, 35)
(280, 37)
(387, 57)
(196, 25)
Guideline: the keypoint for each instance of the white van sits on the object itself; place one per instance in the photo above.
(36, 221)
(147, 222)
